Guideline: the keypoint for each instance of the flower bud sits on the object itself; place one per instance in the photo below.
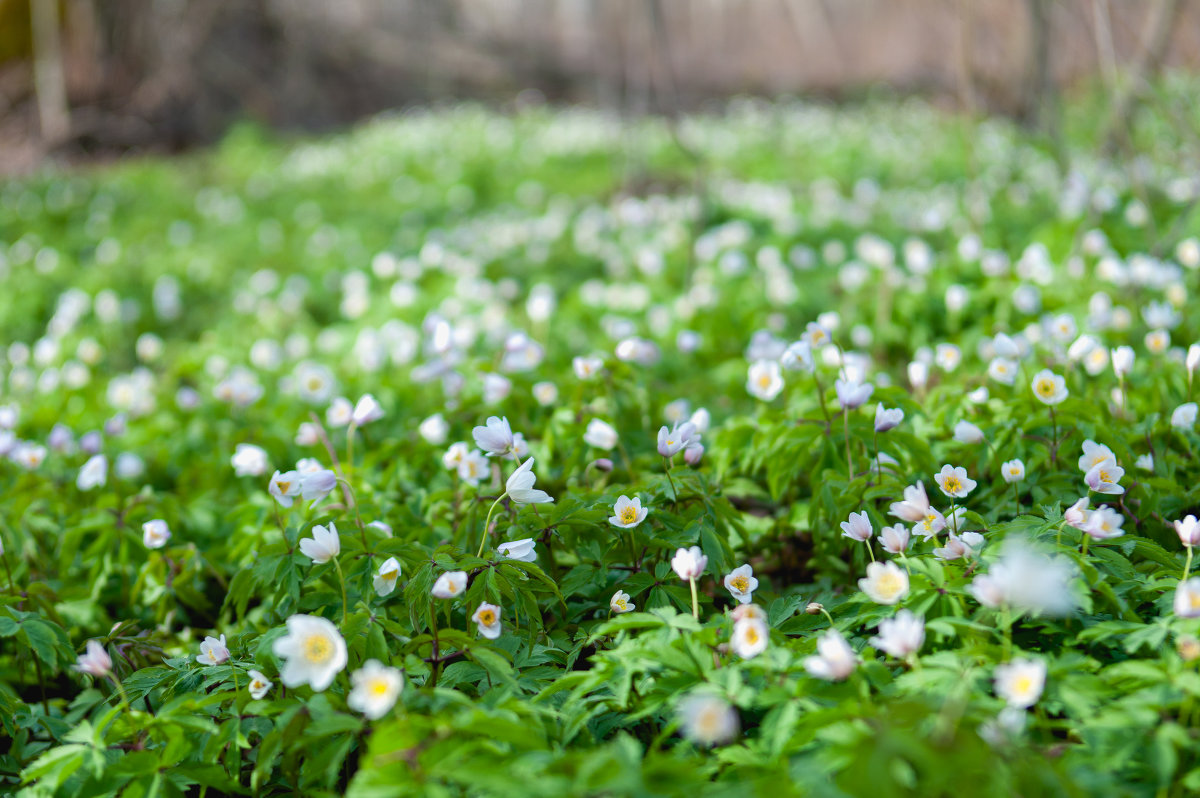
(814, 608)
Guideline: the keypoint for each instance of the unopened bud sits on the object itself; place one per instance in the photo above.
(604, 464)
(814, 608)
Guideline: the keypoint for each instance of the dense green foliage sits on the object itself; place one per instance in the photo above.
(160, 314)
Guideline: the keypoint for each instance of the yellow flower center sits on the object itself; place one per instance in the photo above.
(740, 583)
(389, 573)
(1023, 685)
(379, 687)
(317, 649)
(314, 383)
(621, 603)
(284, 487)
(1104, 476)
(889, 584)
(628, 515)
(764, 381)
(952, 485)
(1045, 387)
(487, 618)
(751, 634)
(1194, 600)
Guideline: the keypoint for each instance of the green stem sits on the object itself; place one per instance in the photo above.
(433, 666)
(1017, 496)
(870, 551)
(350, 446)
(12, 585)
(674, 490)
(120, 690)
(342, 581)
(488, 523)
(1084, 546)
(846, 429)
(1187, 567)
(821, 396)
(695, 600)
(825, 612)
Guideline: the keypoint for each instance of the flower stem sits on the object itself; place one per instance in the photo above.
(120, 690)
(1084, 546)
(487, 524)
(1187, 567)
(870, 551)
(1017, 496)
(436, 664)
(821, 396)
(341, 581)
(846, 428)
(695, 599)
(674, 490)
(350, 446)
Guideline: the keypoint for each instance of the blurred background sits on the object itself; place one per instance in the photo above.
(97, 79)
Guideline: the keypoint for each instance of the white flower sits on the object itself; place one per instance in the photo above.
(28, 455)
(496, 388)
(1103, 478)
(520, 550)
(764, 380)
(340, 412)
(520, 486)
(95, 471)
(886, 419)
(366, 410)
(797, 357)
(895, 538)
(213, 651)
(487, 619)
(674, 440)
(249, 460)
(815, 335)
(259, 685)
(1094, 454)
(741, 583)
(316, 484)
(707, 720)
(600, 434)
(929, 526)
(852, 393)
(587, 367)
(324, 544)
(1184, 417)
(750, 637)
(1077, 514)
(835, 660)
(915, 505)
(858, 527)
(628, 513)
(1187, 598)
(700, 420)
(966, 432)
(1122, 361)
(307, 434)
(885, 583)
(545, 393)
(1013, 471)
(94, 661)
(450, 585)
(1192, 359)
(954, 482)
(313, 652)
(689, 563)
(284, 487)
(375, 688)
(1104, 522)
(1145, 462)
(1027, 581)
(677, 412)
(1005, 728)
(1049, 388)
(155, 534)
(495, 437)
(1157, 341)
(918, 374)
(385, 579)
(947, 357)
(619, 603)
(900, 636)
(693, 453)
(1021, 681)
(474, 467)
(958, 547)
(1003, 370)
(1188, 530)
(434, 429)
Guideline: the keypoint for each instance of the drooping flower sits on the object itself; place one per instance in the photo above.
(324, 544)
(886, 419)
(366, 410)
(959, 547)
(1122, 361)
(386, 577)
(519, 550)
(1182, 418)
(966, 432)
(259, 685)
(155, 533)
(374, 689)
(895, 538)
(94, 473)
(764, 380)
(213, 651)
(434, 429)
(853, 393)
(689, 563)
(628, 513)
(1104, 522)
(313, 652)
(858, 527)
(741, 583)
(495, 437)
(1077, 514)
(834, 661)
(487, 619)
(954, 482)
(316, 484)
(450, 585)
(707, 720)
(620, 603)
(750, 637)
(901, 636)
(1020, 682)
(1188, 530)
(1049, 388)
(520, 486)
(94, 661)
(915, 505)
(885, 583)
